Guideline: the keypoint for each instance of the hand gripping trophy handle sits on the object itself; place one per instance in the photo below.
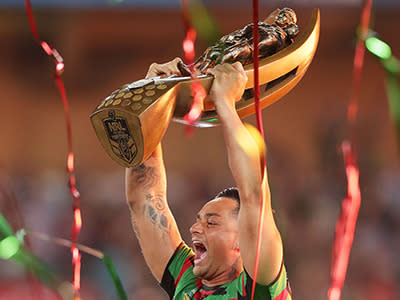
(133, 119)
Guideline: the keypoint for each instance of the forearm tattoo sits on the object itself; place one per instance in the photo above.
(145, 175)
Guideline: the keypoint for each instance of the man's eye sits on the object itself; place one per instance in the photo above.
(211, 223)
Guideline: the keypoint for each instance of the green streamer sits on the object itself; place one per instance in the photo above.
(393, 94)
(5, 228)
(392, 66)
(378, 47)
(37, 267)
(11, 249)
(115, 278)
(212, 120)
(203, 22)
(9, 246)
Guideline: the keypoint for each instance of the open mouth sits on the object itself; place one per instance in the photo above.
(200, 251)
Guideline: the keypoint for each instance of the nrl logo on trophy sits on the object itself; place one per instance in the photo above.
(122, 143)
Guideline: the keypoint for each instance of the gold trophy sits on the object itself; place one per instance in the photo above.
(133, 119)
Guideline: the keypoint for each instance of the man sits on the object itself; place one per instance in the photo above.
(224, 237)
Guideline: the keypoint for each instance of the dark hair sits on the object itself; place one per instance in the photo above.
(232, 193)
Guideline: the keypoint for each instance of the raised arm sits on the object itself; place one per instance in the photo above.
(146, 191)
(244, 162)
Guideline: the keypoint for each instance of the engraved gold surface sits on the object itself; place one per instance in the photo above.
(150, 93)
(119, 95)
(161, 86)
(150, 87)
(138, 91)
(136, 106)
(147, 100)
(109, 102)
(126, 103)
(137, 98)
(101, 105)
(116, 102)
(128, 95)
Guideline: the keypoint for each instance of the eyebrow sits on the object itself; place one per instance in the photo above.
(207, 215)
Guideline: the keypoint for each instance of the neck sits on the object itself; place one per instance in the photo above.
(226, 276)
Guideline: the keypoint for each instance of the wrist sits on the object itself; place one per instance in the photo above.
(224, 109)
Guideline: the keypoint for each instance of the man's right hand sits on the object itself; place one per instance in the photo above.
(166, 69)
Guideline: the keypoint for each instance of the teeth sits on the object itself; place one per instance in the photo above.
(197, 243)
(200, 259)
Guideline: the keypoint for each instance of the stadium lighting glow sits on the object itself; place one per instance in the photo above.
(378, 47)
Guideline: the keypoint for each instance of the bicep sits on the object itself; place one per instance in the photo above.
(157, 232)
(152, 220)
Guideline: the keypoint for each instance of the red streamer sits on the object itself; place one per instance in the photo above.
(260, 128)
(77, 223)
(188, 45)
(345, 226)
(359, 62)
(198, 92)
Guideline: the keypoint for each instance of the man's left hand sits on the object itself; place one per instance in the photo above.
(228, 86)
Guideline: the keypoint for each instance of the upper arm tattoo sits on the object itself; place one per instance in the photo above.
(135, 227)
(155, 207)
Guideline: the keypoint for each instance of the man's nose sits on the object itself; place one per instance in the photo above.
(196, 228)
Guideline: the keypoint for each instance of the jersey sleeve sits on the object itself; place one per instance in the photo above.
(279, 289)
(180, 263)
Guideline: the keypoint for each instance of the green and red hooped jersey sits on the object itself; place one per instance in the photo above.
(181, 284)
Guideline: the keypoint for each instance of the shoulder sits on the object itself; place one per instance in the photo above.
(179, 270)
(180, 262)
